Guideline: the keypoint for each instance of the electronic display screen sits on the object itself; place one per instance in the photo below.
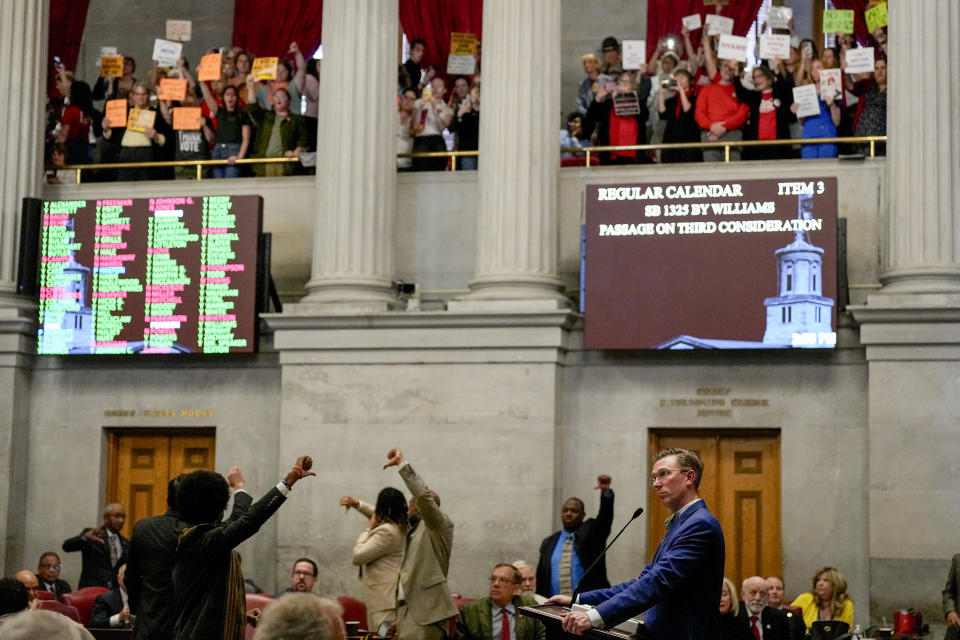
(149, 275)
(742, 264)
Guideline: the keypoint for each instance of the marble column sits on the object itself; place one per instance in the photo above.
(517, 241)
(23, 48)
(356, 166)
(923, 233)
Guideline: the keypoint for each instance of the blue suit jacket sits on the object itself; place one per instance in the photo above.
(680, 589)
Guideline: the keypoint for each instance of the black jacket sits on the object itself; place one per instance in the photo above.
(60, 587)
(783, 98)
(149, 577)
(773, 621)
(588, 541)
(97, 570)
(104, 607)
(202, 567)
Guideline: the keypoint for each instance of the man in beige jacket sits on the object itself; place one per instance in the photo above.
(423, 599)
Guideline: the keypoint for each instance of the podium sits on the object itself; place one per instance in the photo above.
(551, 616)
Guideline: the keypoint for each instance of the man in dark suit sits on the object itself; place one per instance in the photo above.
(149, 575)
(206, 575)
(765, 622)
(103, 550)
(680, 589)
(951, 599)
(794, 615)
(48, 575)
(111, 610)
(566, 554)
(483, 619)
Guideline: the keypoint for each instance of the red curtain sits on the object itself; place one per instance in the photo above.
(859, 21)
(267, 27)
(664, 16)
(433, 20)
(67, 19)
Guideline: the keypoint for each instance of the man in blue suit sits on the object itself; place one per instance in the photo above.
(680, 589)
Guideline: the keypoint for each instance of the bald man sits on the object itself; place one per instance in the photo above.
(28, 580)
(765, 622)
(103, 549)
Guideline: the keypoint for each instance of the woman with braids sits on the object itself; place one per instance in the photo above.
(827, 600)
(378, 552)
(206, 574)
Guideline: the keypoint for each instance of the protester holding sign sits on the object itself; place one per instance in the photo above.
(286, 79)
(432, 116)
(871, 116)
(719, 111)
(113, 88)
(621, 115)
(191, 140)
(280, 132)
(139, 146)
(822, 125)
(770, 116)
(233, 129)
(681, 124)
(466, 125)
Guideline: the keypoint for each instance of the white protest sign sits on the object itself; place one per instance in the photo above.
(719, 25)
(460, 65)
(808, 102)
(634, 54)
(830, 83)
(732, 47)
(774, 46)
(779, 17)
(179, 30)
(859, 60)
(692, 22)
(166, 53)
(106, 52)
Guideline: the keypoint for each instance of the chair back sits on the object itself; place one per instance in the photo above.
(255, 601)
(354, 611)
(828, 629)
(83, 600)
(46, 595)
(67, 610)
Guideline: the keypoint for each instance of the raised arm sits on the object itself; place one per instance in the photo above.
(300, 77)
(709, 57)
(209, 99)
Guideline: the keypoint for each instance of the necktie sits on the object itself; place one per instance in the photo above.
(505, 627)
(753, 627)
(566, 554)
(672, 520)
(114, 554)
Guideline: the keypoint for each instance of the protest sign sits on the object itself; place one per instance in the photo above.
(774, 46)
(111, 66)
(807, 100)
(718, 25)
(166, 53)
(116, 112)
(634, 54)
(838, 21)
(830, 83)
(172, 89)
(859, 60)
(179, 30)
(187, 118)
(463, 44)
(779, 17)
(732, 47)
(209, 68)
(265, 68)
(461, 65)
(140, 119)
(626, 104)
(876, 17)
(692, 22)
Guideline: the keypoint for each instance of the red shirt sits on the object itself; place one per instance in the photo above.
(623, 131)
(73, 117)
(767, 124)
(718, 103)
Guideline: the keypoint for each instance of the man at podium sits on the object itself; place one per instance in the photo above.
(680, 589)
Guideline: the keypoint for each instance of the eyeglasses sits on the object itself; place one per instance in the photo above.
(50, 566)
(303, 573)
(499, 580)
(663, 474)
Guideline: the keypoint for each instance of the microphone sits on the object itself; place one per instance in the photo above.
(576, 592)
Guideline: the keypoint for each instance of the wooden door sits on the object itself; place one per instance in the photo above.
(741, 486)
(142, 462)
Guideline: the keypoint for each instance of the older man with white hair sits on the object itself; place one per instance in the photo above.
(765, 622)
(304, 616)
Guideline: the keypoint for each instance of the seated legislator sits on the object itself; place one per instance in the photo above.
(111, 610)
(48, 574)
(764, 621)
(827, 599)
(495, 617)
(732, 627)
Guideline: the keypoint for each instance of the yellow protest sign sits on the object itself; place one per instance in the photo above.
(209, 68)
(187, 118)
(876, 17)
(463, 44)
(838, 21)
(140, 119)
(265, 68)
(172, 89)
(111, 66)
(116, 112)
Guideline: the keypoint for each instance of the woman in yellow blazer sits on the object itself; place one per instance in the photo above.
(827, 600)
(378, 552)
